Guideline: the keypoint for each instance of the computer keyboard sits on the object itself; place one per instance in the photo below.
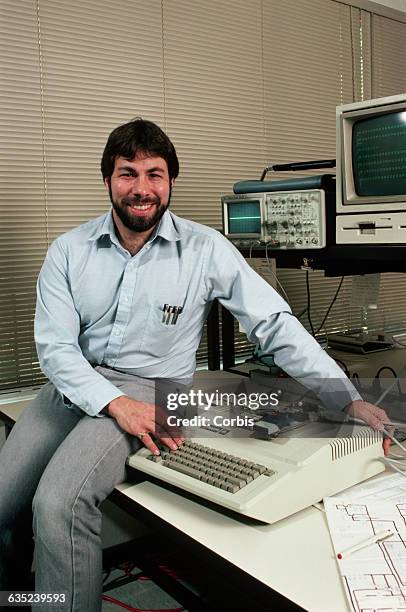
(214, 467)
(269, 480)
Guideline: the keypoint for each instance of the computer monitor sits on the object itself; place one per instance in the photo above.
(243, 217)
(371, 156)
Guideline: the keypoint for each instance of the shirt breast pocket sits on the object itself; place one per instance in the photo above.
(163, 329)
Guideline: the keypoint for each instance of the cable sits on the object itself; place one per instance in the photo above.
(301, 313)
(270, 270)
(341, 363)
(331, 305)
(274, 275)
(357, 381)
(386, 368)
(309, 317)
(395, 462)
(265, 172)
(391, 464)
(377, 375)
(251, 247)
(398, 458)
(400, 344)
(385, 393)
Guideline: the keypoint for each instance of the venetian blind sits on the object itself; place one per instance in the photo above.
(388, 53)
(23, 236)
(214, 99)
(101, 66)
(73, 71)
(236, 85)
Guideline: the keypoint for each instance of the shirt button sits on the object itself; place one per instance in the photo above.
(126, 300)
(117, 332)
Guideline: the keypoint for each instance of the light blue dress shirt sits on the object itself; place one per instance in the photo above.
(97, 304)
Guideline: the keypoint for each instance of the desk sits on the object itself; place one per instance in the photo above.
(291, 562)
(11, 410)
(366, 366)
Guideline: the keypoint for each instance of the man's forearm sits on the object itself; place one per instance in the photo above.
(75, 378)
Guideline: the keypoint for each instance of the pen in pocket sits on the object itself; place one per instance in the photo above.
(171, 314)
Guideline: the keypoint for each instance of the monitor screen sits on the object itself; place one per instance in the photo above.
(379, 154)
(371, 156)
(244, 217)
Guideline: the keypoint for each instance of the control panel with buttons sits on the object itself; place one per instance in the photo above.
(295, 219)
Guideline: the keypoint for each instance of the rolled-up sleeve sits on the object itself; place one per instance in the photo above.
(267, 320)
(57, 328)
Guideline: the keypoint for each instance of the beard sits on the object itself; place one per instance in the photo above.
(139, 223)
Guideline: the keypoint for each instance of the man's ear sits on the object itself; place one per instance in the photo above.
(107, 183)
(172, 182)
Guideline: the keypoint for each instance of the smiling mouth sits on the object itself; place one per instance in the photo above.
(141, 210)
(141, 206)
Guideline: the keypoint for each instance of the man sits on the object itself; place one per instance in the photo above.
(102, 339)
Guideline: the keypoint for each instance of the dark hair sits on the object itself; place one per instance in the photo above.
(138, 136)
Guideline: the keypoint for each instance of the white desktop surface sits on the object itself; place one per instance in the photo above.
(293, 557)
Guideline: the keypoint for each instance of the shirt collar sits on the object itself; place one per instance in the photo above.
(166, 229)
(105, 229)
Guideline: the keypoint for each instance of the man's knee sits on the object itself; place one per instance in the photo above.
(55, 507)
(50, 507)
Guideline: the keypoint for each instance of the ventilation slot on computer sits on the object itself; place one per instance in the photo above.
(341, 447)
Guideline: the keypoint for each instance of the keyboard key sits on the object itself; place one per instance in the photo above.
(184, 469)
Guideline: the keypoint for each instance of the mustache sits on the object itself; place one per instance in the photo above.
(129, 201)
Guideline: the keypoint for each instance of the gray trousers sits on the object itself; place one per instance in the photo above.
(56, 467)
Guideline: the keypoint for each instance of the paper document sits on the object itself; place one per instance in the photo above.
(373, 572)
(379, 488)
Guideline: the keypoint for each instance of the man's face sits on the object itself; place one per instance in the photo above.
(140, 191)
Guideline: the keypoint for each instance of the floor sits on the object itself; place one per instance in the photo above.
(128, 587)
(151, 575)
(139, 595)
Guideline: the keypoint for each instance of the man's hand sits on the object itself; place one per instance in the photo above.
(374, 416)
(141, 419)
